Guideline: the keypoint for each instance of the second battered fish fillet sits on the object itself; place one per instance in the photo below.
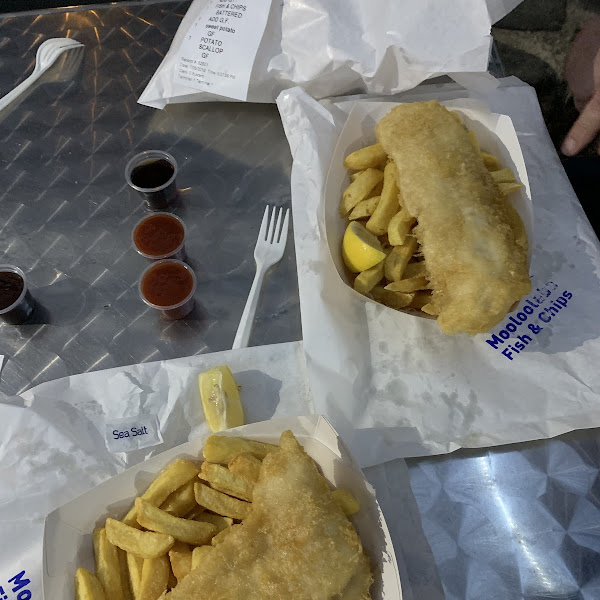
(295, 543)
(473, 240)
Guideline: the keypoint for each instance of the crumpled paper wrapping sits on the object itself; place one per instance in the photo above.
(393, 384)
(333, 47)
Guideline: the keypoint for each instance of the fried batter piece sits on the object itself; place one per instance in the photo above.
(295, 543)
(472, 239)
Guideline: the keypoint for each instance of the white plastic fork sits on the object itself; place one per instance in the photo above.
(269, 248)
(46, 56)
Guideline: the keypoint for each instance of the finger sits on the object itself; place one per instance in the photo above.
(585, 128)
(581, 102)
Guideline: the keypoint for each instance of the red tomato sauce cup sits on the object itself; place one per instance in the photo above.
(160, 236)
(168, 286)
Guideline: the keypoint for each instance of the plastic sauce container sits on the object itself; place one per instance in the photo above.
(159, 236)
(16, 303)
(168, 286)
(152, 174)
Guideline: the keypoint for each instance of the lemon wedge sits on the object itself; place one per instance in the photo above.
(220, 399)
(361, 250)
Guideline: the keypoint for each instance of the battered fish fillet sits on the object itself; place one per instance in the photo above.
(473, 240)
(295, 543)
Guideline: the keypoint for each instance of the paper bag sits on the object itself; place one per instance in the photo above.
(327, 47)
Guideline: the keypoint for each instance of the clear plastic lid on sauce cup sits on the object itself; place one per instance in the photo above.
(168, 286)
(16, 302)
(159, 236)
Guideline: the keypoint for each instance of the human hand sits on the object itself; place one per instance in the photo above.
(582, 72)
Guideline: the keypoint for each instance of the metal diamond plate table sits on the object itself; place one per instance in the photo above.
(66, 213)
(521, 522)
(516, 523)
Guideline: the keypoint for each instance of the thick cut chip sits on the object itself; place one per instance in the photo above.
(125, 578)
(399, 227)
(348, 503)
(408, 285)
(108, 568)
(96, 543)
(222, 448)
(388, 204)
(181, 501)
(415, 269)
(222, 479)
(220, 503)
(87, 586)
(184, 530)
(367, 280)
(246, 465)
(490, 161)
(172, 477)
(508, 188)
(369, 156)
(503, 176)
(135, 565)
(474, 141)
(199, 555)
(397, 259)
(421, 299)
(155, 578)
(359, 189)
(392, 299)
(429, 308)
(195, 513)
(146, 544)
(376, 191)
(217, 520)
(180, 556)
(364, 209)
(220, 537)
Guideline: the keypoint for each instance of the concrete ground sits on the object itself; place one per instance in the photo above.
(533, 42)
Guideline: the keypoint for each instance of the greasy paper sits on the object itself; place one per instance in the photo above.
(392, 383)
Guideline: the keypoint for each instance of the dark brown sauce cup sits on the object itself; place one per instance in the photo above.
(147, 175)
(16, 302)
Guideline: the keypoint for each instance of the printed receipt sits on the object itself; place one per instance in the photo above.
(218, 51)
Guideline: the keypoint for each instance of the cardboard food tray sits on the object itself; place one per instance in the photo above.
(495, 133)
(68, 530)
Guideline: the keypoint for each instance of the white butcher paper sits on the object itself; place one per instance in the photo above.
(393, 384)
